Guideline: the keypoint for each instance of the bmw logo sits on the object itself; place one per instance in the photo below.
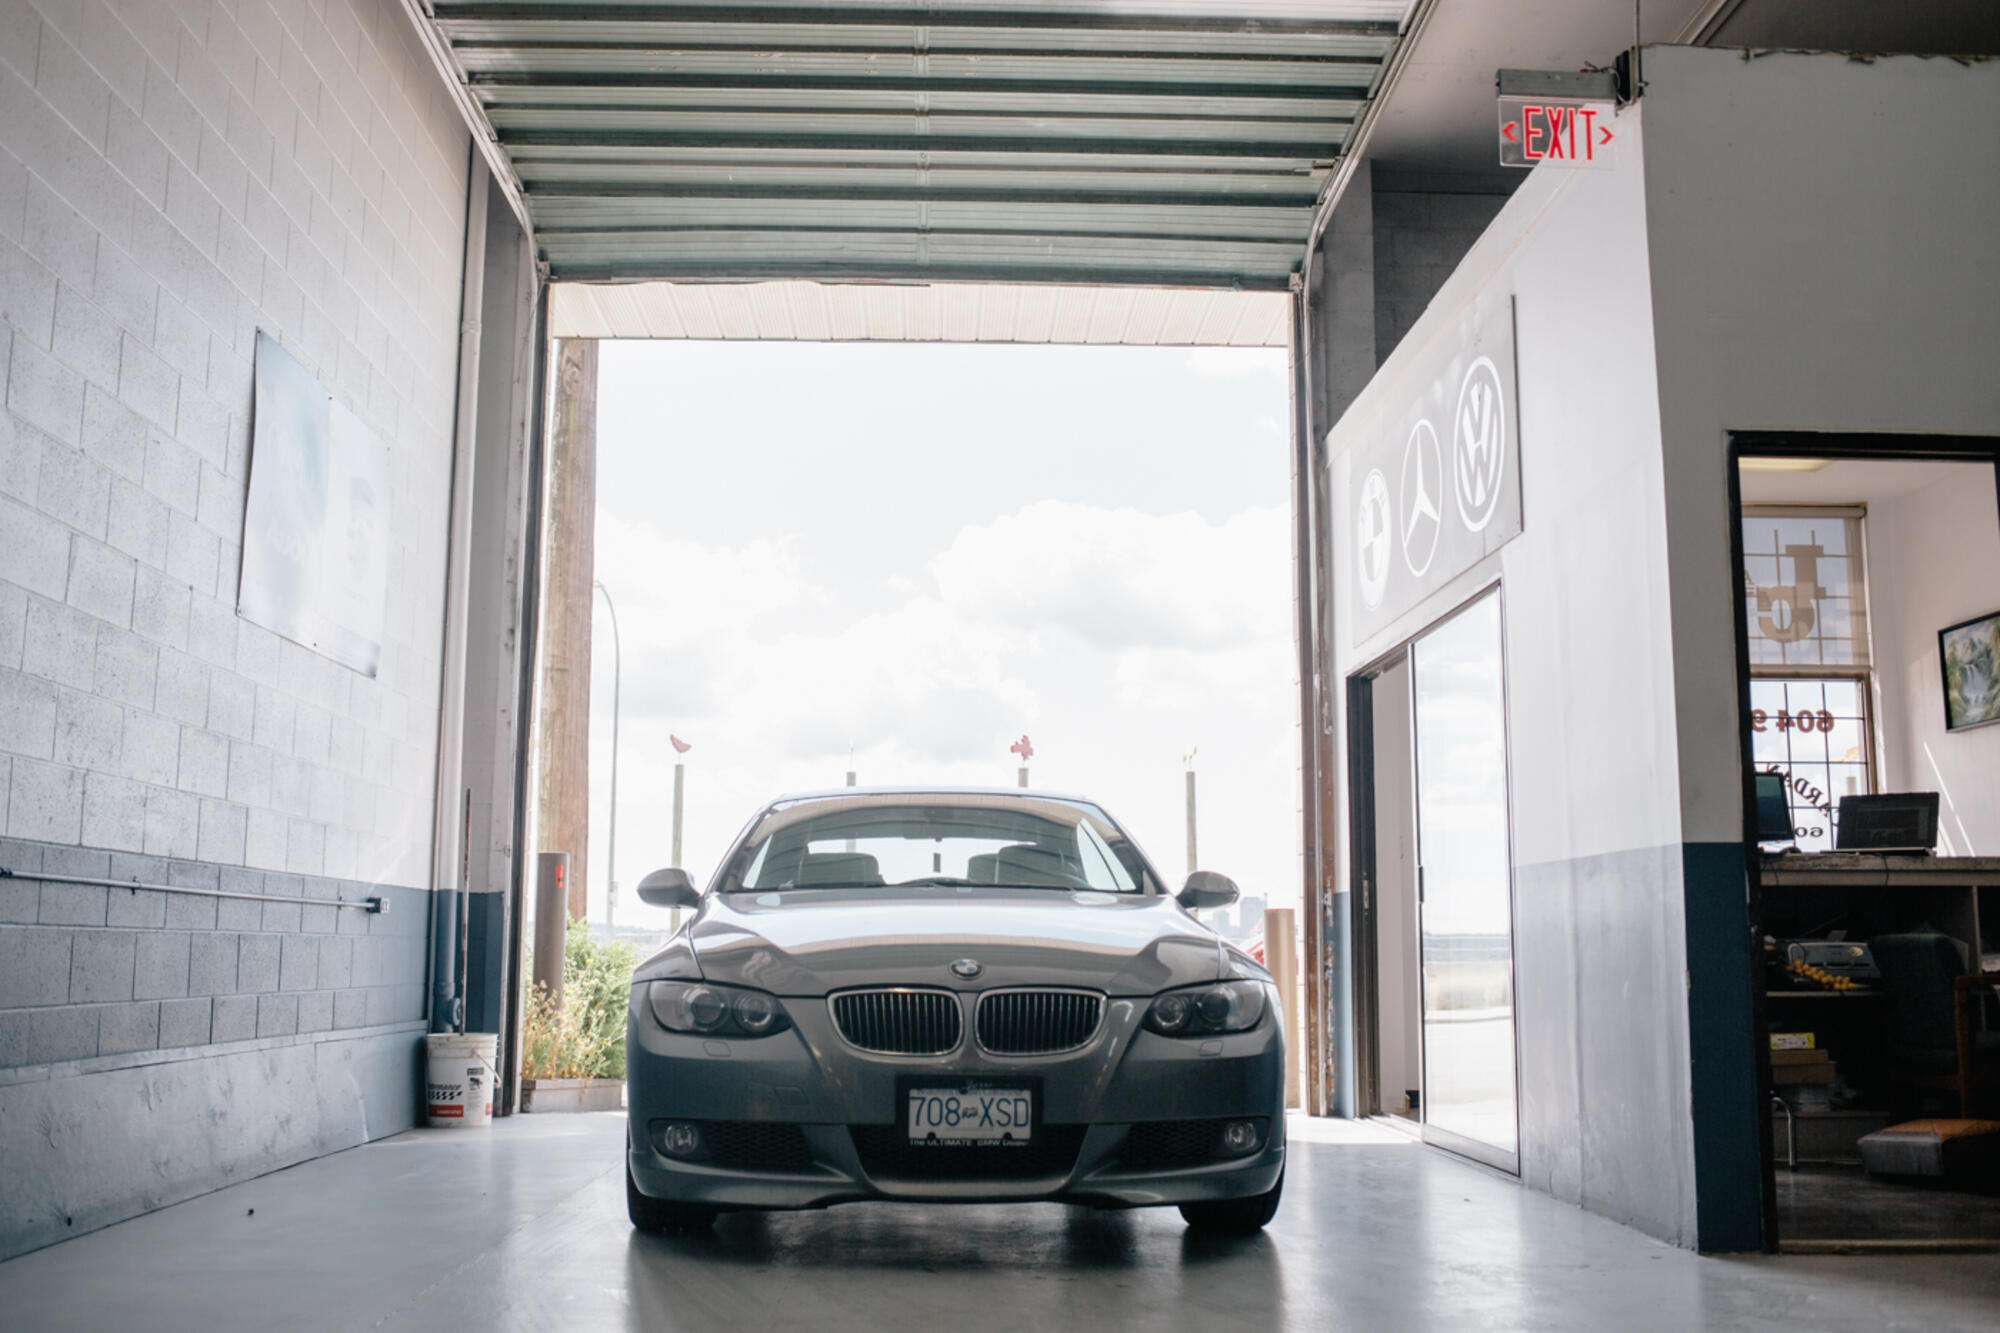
(967, 968)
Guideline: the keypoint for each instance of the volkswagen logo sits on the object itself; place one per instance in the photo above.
(1479, 443)
(967, 968)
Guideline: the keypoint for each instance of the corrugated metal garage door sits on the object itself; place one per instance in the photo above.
(1082, 141)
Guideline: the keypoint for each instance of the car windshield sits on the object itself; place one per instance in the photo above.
(885, 841)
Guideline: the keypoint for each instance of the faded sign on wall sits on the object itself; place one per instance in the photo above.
(316, 527)
(1437, 486)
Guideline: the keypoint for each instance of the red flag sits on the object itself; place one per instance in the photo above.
(680, 746)
(1022, 748)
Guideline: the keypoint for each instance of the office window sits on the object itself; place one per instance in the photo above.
(1806, 602)
(1815, 732)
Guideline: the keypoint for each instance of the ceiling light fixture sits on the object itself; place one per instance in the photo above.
(1782, 464)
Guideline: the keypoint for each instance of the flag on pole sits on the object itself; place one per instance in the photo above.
(680, 746)
(1022, 748)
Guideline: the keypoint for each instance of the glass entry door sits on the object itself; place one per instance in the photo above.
(1465, 887)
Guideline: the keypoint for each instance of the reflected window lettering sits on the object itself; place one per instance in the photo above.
(1804, 590)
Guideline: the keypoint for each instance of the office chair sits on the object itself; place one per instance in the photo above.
(1932, 1014)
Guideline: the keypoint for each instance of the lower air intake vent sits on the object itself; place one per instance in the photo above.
(887, 1154)
(753, 1145)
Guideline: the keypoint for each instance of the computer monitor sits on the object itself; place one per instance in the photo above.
(1891, 822)
(1774, 809)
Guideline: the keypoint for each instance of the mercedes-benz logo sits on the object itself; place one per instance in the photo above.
(967, 968)
(1423, 475)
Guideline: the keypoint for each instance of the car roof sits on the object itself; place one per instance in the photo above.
(914, 789)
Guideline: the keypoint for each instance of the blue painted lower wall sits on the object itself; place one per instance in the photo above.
(1723, 1043)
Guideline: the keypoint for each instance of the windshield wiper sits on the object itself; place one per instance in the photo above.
(951, 880)
(789, 887)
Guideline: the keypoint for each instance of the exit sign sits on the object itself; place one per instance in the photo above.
(1555, 116)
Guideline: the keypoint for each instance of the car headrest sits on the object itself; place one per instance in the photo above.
(983, 868)
(827, 869)
(1022, 863)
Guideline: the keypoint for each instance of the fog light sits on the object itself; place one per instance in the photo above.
(1239, 1137)
(680, 1140)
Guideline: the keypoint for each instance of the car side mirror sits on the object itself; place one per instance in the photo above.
(1204, 888)
(669, 888)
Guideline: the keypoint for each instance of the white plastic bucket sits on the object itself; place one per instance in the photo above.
(460, 1079)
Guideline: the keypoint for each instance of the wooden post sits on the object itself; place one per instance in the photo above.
(1282, 957)
(563, 784)
(551, 900)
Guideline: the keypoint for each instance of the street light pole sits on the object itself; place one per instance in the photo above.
(617, 670)
(1188, 759)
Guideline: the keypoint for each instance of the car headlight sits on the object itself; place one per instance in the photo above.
(1202, 1011)
(715, 1011)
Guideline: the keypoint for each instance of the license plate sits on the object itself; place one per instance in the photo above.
(984, 1116)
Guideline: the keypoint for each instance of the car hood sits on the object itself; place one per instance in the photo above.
(810, 943)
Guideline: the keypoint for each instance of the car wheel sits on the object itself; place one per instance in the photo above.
(656, 1215)
(1235, 1217)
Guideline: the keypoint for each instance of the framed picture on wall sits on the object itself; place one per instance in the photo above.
(1970, 653)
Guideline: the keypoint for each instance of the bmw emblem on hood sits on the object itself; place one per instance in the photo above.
(967, 968)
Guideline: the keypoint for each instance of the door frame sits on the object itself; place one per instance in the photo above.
(1886, 446)
(1363, 885)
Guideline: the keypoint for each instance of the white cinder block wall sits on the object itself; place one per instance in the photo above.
(174, 176)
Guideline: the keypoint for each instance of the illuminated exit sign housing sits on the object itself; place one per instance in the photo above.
(1556, 116)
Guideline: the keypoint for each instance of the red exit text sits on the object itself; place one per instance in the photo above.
(1535, 131)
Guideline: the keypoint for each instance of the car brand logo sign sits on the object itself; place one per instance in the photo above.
(1423, 477)
(1479, 443)
(1372, 533)
(967, 968)
(1428, 469)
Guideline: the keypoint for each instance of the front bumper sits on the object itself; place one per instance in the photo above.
(808, 1078)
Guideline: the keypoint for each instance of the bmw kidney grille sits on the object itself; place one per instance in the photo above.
(898, 1022)
(1038, 1022)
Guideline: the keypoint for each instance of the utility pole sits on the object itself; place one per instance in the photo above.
(617, 670)
(1187, 759)
(681, 747)
(680, 781)
(563, 784)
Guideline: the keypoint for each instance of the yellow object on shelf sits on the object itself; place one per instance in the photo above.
(1820, 976)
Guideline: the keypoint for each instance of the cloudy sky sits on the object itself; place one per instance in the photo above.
(924, 551)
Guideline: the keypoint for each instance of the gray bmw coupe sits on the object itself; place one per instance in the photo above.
(949, 997)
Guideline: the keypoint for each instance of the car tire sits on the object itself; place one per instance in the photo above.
(653, 1216)
(1235, 1217)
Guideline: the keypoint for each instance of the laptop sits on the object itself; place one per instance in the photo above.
(1892, 822)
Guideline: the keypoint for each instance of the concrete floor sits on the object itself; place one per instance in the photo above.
(523, 1227)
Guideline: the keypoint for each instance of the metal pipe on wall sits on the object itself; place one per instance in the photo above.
(448, 829)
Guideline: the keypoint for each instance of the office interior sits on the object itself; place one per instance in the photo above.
(1856, 572)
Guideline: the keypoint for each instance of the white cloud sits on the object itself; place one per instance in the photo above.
(1120, 579)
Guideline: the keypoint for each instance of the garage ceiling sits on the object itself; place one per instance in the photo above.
(1159, 142)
